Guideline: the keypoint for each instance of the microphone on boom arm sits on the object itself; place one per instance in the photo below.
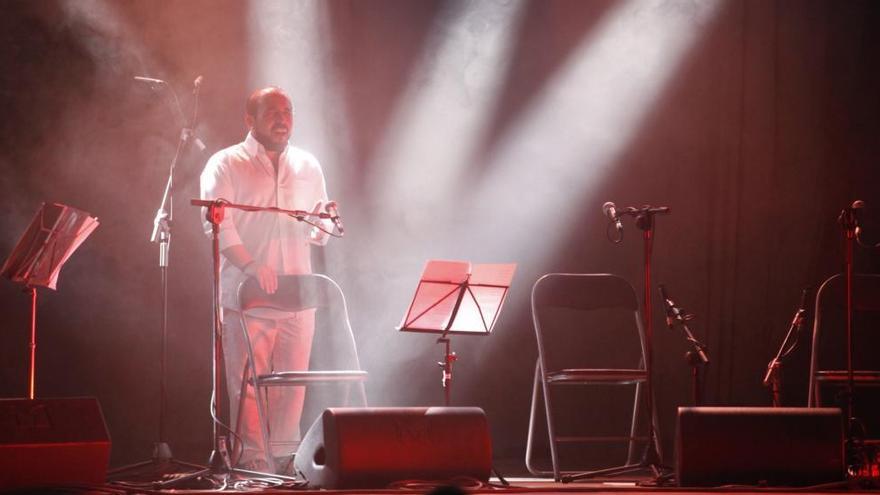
(610, 211)
(332, 209)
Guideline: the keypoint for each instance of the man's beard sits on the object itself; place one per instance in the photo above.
(267, 142)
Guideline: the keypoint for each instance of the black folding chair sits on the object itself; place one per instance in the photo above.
(298, 293)
(590, 303)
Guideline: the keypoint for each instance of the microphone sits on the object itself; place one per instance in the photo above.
(197, 86)
(673, 314)
(802, 309)
(797, 322)
(849, 216)
(610, 211)
(672, 311)
(856, 208)
(149, 80)
(332, 210)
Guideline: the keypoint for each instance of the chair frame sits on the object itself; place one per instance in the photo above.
(250, 377)
(544, 379)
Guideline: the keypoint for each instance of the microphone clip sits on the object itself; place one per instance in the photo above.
(675, 314)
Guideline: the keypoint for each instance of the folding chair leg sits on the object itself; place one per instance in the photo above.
(551, 431)
(237, 444)
(539, 391)
(264, 422)
(363, 393)
(656, 438)
(532, 418)
(632, 452)
(637, 412)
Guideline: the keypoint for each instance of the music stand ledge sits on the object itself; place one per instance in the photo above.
(455, 297)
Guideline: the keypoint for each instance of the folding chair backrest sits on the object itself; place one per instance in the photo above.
(295, 293)
(583, 291)
(586, 320)
(334, 344)
(829, 326)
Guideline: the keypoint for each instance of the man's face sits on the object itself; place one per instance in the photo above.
(274, 121)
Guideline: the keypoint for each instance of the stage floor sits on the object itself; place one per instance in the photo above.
(516, 486)
(175, 477)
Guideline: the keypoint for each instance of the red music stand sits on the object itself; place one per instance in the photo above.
(456, 297)
(52, 236)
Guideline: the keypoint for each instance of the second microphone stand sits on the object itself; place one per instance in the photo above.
(162, 460)
(773, 376)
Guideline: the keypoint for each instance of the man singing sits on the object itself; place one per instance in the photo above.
(264, 170)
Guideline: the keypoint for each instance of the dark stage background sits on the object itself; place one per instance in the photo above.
(766, 127)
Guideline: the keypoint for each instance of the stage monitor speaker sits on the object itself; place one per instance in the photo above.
(52, 442)
(788, 446)
(374, 447)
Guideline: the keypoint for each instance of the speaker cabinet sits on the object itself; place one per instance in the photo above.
(373, 447)
(45, 442)
(759, 445)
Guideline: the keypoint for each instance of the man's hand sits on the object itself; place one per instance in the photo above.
(266, 276)
(239, 256)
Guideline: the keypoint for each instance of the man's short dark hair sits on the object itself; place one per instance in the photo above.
(253, 102)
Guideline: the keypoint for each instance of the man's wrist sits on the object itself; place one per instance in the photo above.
(248, 265)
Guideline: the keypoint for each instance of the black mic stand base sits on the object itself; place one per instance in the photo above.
(217, 475)
(650, 466)
(160, 466)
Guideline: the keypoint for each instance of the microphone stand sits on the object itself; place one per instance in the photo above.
(773, 378)
(162, 457)
(645, 222)
(848, 220)
(697, 357)
(651, 458)
(220, 466)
